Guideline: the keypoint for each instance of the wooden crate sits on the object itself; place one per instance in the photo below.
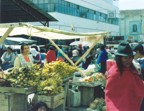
(17, 90)
(52, 101)
(13, 102)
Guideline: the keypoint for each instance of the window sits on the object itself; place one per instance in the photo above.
(134, 28)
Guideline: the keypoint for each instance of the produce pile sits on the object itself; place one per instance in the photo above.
(95, 77)
(63, 69)
(52, 77)
(97, 105)
(49, 84)
(47, 80)
(24, 76)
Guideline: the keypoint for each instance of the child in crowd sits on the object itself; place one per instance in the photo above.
(40, 106)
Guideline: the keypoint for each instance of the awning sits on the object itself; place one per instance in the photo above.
(47, 33)
(18, 41)
(13, 11)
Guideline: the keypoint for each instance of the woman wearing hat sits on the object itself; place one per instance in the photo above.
(8, 58)
(124, 88)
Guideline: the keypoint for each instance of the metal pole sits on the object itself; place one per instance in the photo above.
(9, 30)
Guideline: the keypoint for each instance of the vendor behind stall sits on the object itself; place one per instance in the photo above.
(24, 59)
(8, 58)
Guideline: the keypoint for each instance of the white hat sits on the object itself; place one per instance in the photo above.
(75, 53)
(33, 52)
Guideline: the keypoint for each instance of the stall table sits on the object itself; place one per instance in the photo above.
(14, 99)
(89, 91)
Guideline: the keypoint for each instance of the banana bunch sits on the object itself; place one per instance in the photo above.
(52, 75)
(63, 69)
(24, 76)
(50, 84)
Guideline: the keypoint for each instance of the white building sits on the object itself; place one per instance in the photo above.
(132, 25)
(82, 15)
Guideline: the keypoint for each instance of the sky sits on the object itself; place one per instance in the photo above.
(131, 4)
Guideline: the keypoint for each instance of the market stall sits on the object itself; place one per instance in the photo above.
(50, 34)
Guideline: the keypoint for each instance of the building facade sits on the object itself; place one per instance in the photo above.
(132, 25)
(82, 15)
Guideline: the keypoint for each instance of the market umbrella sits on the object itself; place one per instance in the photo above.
(83, 43)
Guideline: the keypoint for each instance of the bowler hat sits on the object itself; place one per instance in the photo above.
(124, 49)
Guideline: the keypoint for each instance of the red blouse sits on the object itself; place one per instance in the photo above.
(51, 56)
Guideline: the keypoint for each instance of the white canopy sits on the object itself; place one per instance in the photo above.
(18, 40)
(44, 32)
(47, 33)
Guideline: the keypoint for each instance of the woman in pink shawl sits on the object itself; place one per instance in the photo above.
(124, 88)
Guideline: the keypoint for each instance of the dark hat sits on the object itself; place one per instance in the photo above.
(102, 47)
(124, 49)
(10, 48)
(138, 47)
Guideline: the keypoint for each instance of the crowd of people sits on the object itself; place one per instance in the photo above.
(124, 89)
(31, 54)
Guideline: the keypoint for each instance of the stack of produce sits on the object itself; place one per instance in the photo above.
(47, 80)
(63, 69)
(52, 76)
(95, 77)
(24, 76)
(97, 105)
(49, 84)
(3, 81)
